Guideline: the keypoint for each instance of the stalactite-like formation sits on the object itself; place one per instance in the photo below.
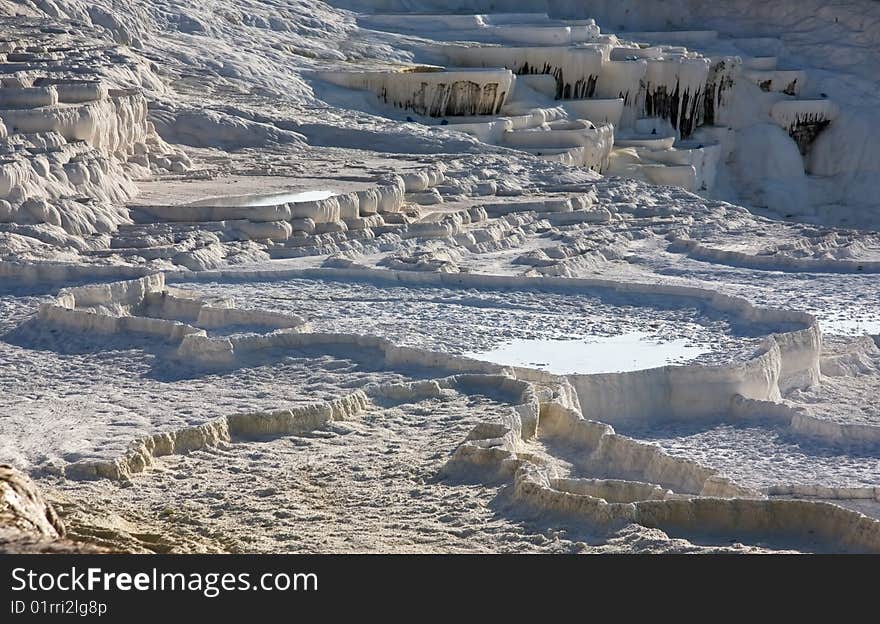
(566, 89)
(718, 85)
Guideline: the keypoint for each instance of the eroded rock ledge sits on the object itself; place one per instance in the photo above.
(28, 523)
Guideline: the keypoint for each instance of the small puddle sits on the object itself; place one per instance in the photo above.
(850, 327)
(613, 354)
(250, 201)
(855, 320)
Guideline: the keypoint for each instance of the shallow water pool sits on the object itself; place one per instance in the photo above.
(597, 329)
(850, 326)
(273, 199)
(600, 354)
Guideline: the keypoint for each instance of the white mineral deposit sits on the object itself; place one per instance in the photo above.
(439, 276)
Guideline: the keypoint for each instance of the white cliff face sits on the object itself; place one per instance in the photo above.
(433, 93)
(282, 252)
(657, 63)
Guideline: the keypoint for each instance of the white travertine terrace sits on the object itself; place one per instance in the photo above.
(595, 142)
(393, 195)
(434, 93)
(633, 481)
(529, 28)
(653, 82)
(598, 110)
(789, 81)
(67, 136)
(575, 69)
(685, 77)
(804, 119)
